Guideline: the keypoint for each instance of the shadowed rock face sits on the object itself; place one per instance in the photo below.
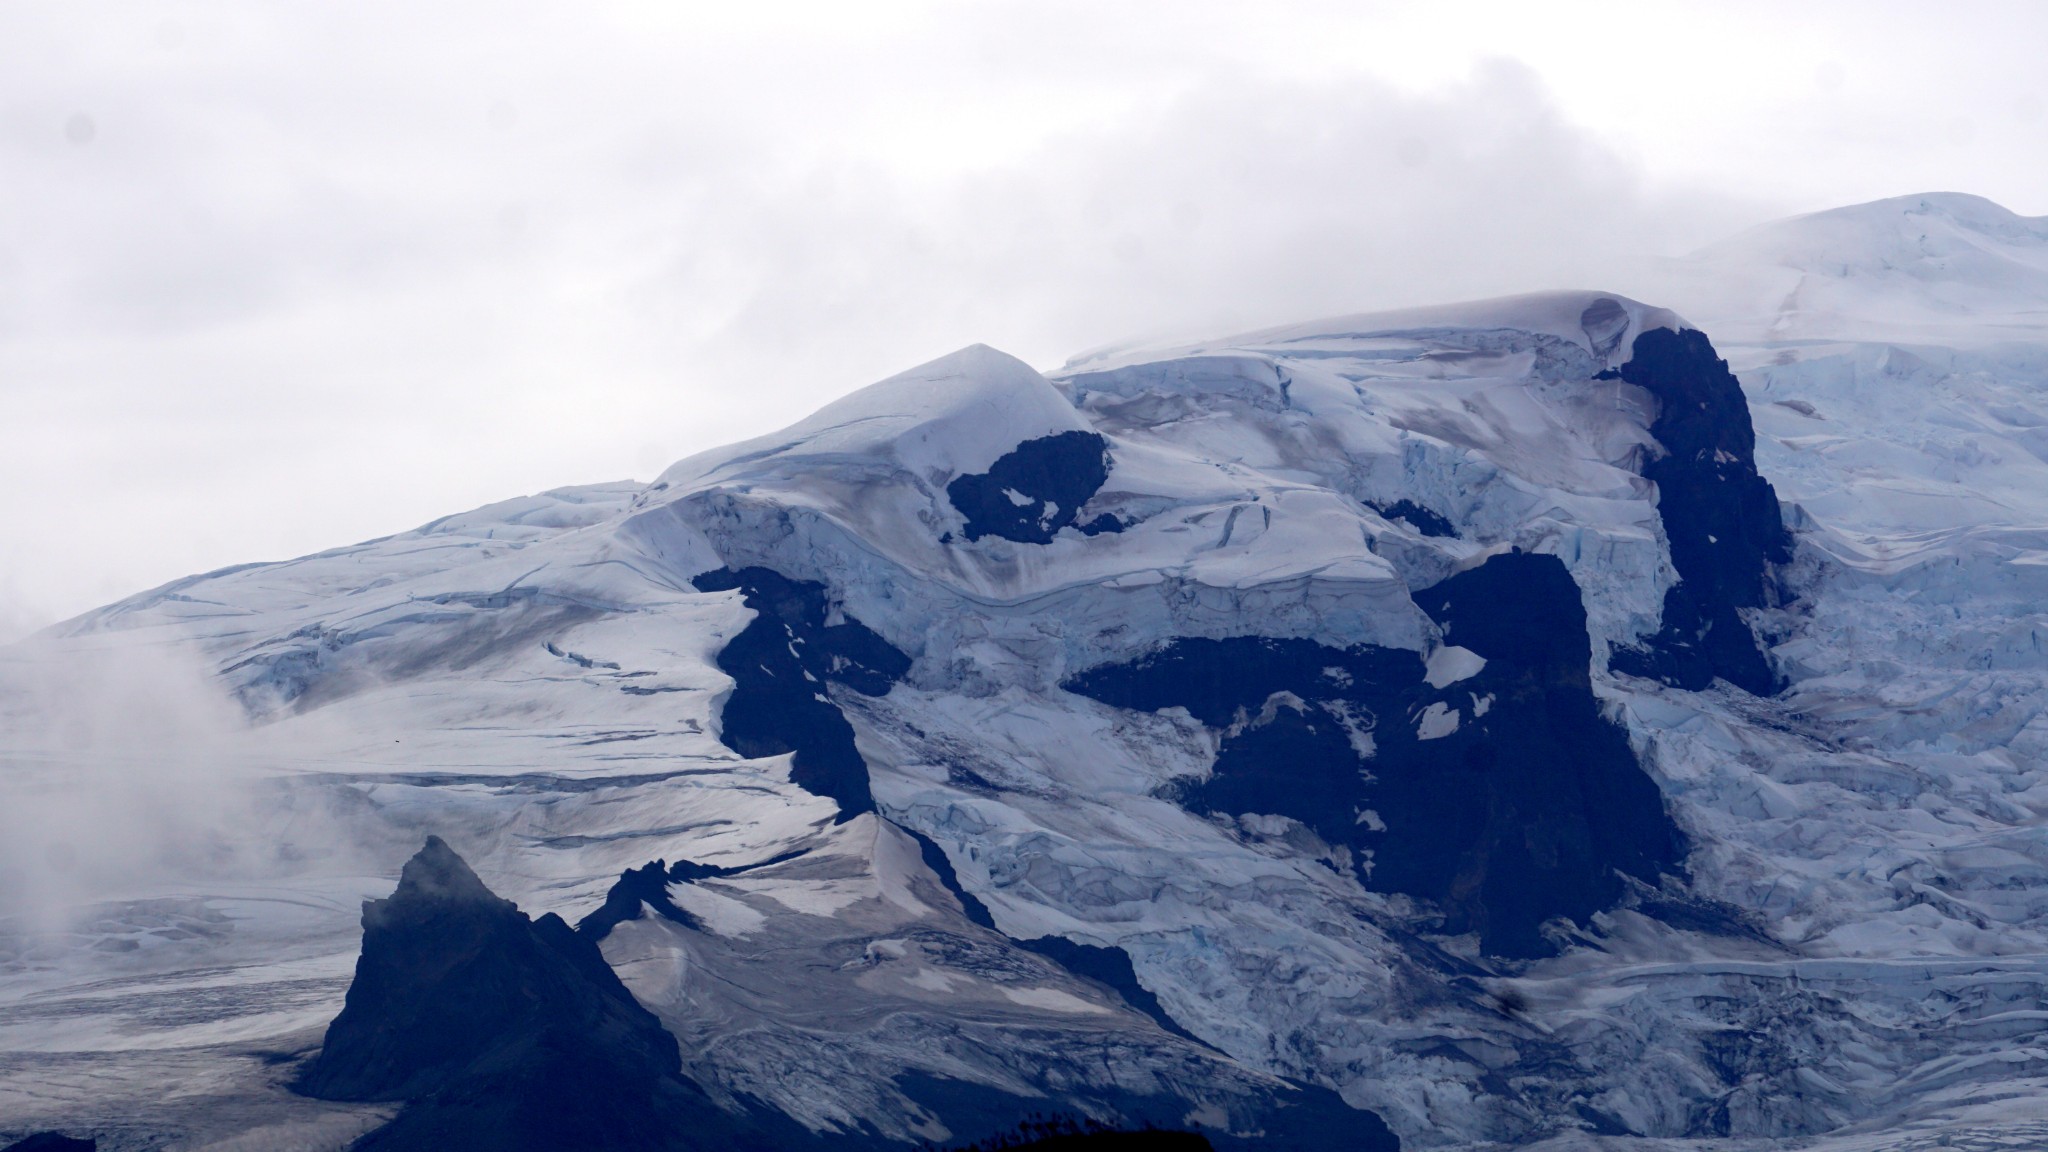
(1417, 517)
(636, 890)
(1301, 1118)
(639, 889)
(1503, 796)
(52, 1142)
(1035, 490)
(780, 662)
(1058, 1137)
(501, 1032)
(1720, 516)
(1557, 807)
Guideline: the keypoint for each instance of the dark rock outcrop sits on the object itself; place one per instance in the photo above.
(780, 663)
(502, 1032)
(52, 1142)
(636, 890)
(1110, 967)
(1506, 798)
(935, 859)
(1719, 515)
(1070, 1136)
(646, 887)
(1417, 517)
(1292, 1118)
(1556, 805)
(1036, 489)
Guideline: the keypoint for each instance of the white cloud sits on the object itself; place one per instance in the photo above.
(124, 773)
(319, 272)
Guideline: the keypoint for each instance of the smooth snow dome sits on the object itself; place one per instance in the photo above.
(954, 415)
(1944, 267)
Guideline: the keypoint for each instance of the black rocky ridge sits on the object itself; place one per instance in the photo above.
(780, 663)
(502, 1032)
(1530, 809)
(1065, 1135)
(639, 889)
(1417, 517)
(52, 1142)
(1110, 966)
(1720, 516)
(1298, 1118)
(1036, 489)
(632, 894)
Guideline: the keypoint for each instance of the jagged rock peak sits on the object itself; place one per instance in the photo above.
(435, 875)
(499, 1031)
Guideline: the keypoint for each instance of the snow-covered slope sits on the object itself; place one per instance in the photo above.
(1428, 707)
(1941, 267)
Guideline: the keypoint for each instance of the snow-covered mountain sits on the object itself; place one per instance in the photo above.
(1942, 267)
(1491, 718)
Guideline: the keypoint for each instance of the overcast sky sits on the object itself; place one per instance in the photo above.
(276, 277)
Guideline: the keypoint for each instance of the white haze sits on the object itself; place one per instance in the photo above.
(277, 277)
(112, 775)
(125, 774)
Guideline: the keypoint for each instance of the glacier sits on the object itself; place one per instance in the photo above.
(1131, 740)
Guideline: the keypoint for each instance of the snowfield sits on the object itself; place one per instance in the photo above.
(1850, 949)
